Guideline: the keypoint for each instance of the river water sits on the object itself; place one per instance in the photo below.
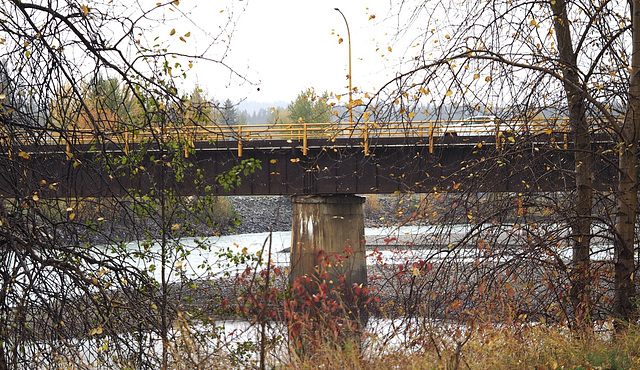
(223, 254)
(211, 256)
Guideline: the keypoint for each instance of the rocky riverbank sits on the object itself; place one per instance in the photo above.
(232, 215)
(262, 213)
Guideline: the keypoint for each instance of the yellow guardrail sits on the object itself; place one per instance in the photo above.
(302, 132)
(368, 130)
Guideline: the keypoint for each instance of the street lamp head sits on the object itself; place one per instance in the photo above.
(349, 75)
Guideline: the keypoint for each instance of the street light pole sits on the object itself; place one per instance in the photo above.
(350, 88)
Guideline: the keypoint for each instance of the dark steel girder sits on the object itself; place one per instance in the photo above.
(339, 167)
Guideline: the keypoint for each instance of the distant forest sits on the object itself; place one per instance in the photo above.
(421, 113)
(259, 116)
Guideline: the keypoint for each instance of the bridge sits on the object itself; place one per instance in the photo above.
(321, 165)
(313, 158)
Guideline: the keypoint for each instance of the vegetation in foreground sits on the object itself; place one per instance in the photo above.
(493, 348)
(442, 346)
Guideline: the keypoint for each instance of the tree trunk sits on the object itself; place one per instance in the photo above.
(628, 186)
(580, 293)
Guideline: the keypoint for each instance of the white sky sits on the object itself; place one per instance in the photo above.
(285, 46)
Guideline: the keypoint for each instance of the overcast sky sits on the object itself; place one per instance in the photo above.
(285, 46)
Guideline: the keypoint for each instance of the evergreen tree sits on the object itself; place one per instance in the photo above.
(229, 113)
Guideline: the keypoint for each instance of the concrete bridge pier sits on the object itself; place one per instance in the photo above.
(328, 229)
(328, 247)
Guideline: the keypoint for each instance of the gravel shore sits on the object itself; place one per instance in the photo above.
(259, 214)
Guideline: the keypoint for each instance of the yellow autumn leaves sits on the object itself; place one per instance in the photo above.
(182, 38)
(173, 30)
(450, 92)
(176, 3)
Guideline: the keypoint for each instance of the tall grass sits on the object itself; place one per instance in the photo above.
(441, 346)
(531, 347)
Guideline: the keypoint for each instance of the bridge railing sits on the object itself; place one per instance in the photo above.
(302, 132)
(500, 129)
